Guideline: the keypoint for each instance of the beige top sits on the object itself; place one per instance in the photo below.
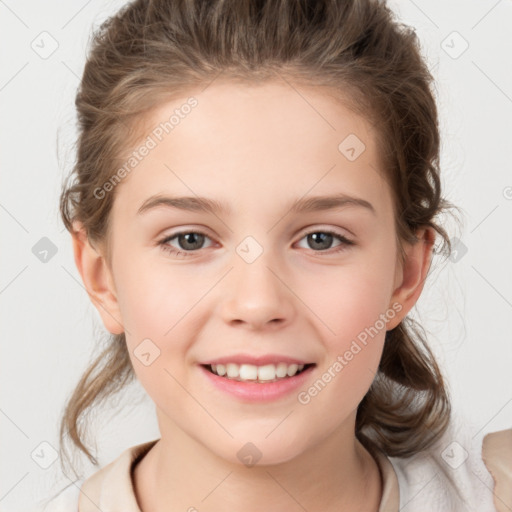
(111, 488)
(482, 474)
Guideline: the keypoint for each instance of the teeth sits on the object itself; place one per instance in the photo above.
(250, 372)
(281, 370)
(292, 370)
(232, 370)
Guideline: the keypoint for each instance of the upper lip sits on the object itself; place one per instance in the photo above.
(255, 360)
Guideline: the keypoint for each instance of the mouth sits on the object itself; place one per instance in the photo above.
(257, 374)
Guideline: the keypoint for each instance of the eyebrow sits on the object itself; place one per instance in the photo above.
(202, 204)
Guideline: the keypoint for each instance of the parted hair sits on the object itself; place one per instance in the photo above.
(153, 50)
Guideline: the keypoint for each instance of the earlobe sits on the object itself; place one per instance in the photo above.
(97, 279)
(412, 274)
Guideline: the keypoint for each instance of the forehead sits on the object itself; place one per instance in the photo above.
(256, 145)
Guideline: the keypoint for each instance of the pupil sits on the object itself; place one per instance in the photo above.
(191, 235)
(316, 238)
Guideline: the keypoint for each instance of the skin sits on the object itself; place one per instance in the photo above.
(256, 148)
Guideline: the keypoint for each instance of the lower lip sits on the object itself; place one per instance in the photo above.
(258, 392)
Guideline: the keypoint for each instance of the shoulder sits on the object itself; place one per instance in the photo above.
(497, 456)
(465, 470)
(109, 488)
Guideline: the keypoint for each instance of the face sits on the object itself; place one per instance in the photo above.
(257, 277)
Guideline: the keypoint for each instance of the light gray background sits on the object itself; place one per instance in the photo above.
(48, 324)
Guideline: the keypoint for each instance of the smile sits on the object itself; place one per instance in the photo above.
(253, 373)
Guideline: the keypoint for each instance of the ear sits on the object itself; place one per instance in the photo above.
(410, 276)
(97, 279)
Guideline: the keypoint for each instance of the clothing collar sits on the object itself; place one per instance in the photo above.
(111, 488)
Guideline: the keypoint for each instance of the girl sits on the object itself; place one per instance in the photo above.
(253, 213)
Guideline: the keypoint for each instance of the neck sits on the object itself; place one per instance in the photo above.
(179, 473)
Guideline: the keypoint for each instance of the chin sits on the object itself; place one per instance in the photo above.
(258, 451)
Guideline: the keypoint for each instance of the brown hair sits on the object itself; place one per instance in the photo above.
(152, 50)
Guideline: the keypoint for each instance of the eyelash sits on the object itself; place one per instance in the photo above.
(174, 252)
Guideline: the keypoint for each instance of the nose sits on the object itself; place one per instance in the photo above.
(257, 296)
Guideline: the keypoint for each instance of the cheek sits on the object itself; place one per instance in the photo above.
(156, 306)
(352, 305)
(154, 300)
(349, 299)
(355, 315)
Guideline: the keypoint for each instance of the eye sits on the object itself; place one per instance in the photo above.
(189, 241)
(323, 240)
(192, 241)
